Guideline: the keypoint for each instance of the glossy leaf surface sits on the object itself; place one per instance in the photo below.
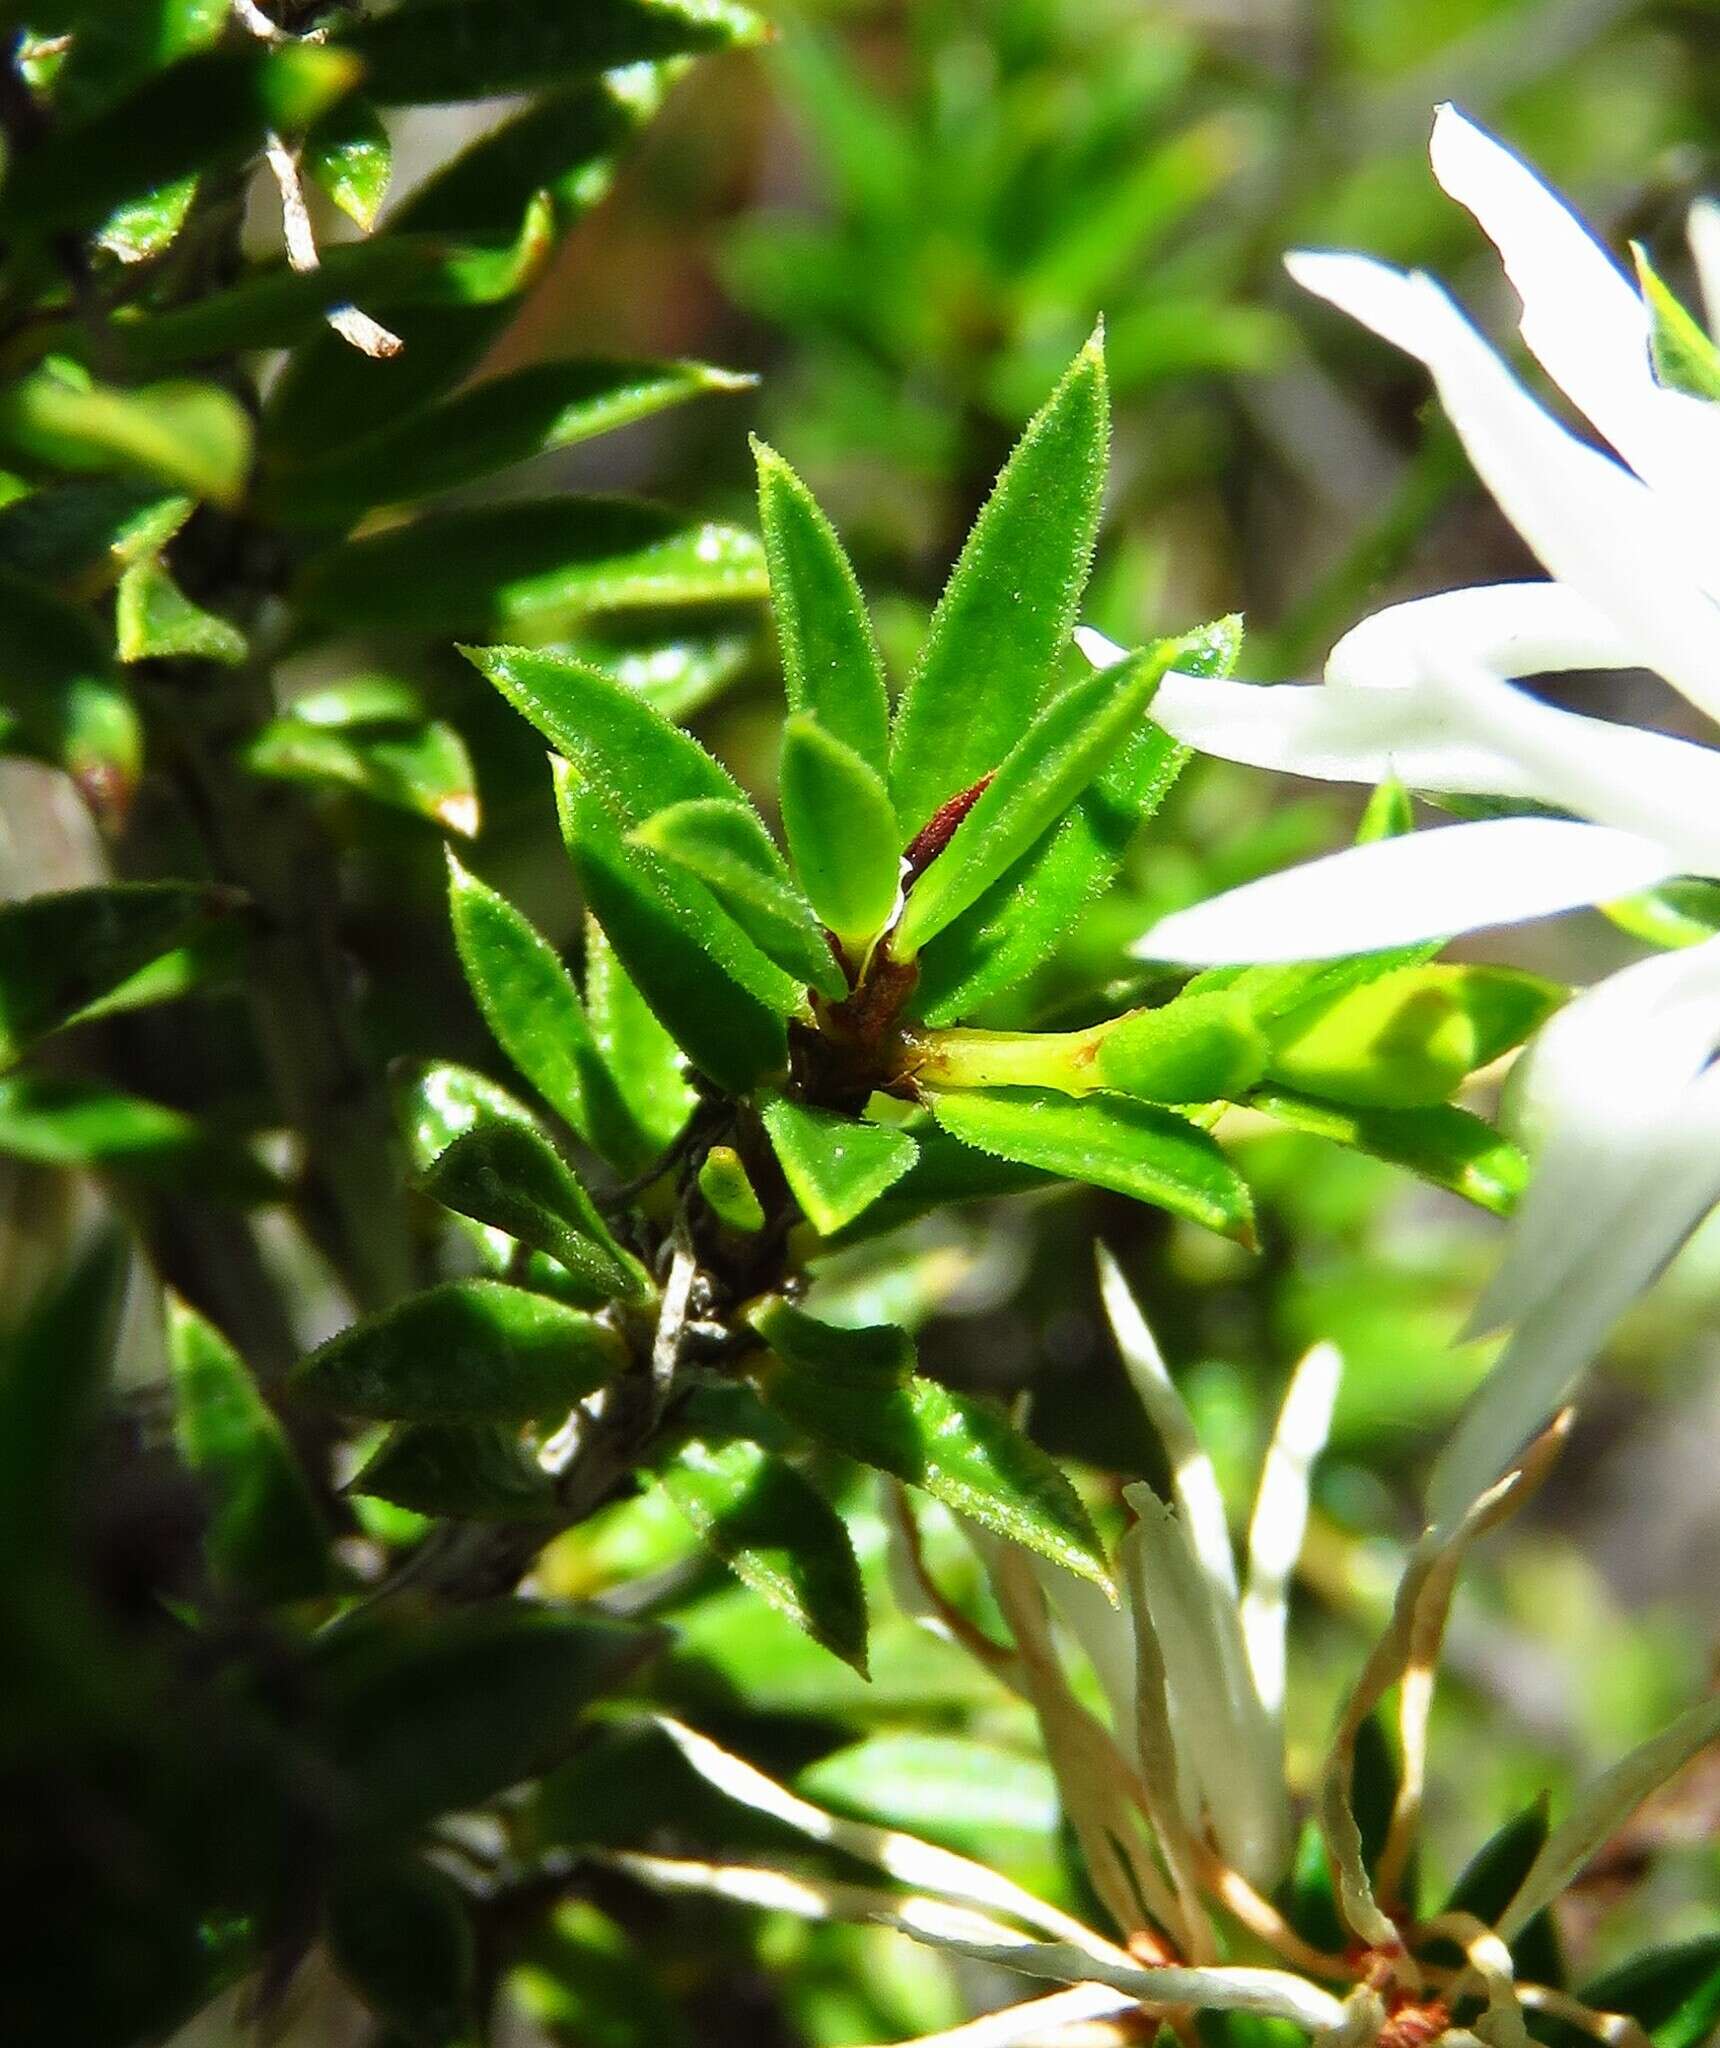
(841, 831)
(194, 437)
(1131, 1147)
(1442, 1143)
(836, 1166)
(470, 1471)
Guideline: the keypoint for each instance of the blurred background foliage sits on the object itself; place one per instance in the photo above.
(903, 218)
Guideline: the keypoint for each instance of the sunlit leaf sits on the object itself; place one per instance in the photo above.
(835, 1166)
(841, 831)
(467, 1351)
(855, 1390)
(194, 436)
(831, 665)
(1003, 623)
(155, 621)
(347, 153)
(649, 1068)
(1131, 1147)
(420, 766)
(729, 1192)
(777, 1532)
(1442, 1144)
(1684, 357)
(62, 1120)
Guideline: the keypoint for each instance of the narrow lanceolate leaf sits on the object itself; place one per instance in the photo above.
(505, 420)
(265, 1536)
(1441, 1144)
(1023, 917)
(506, 1175)
(63, 1120)
(469, 1351)
(841, 831)
(420, 766)
(1673, 1994)
(702, 978)
(530, 1003)
(481, 49)
(436, 1102)
(535, 563)
(348, 154)
(1486, 1886)
(648, 1067)
(778, 1534)
(424, 1717)
(836, 1167)
(1061, 752)
(831, 665)
(472, 1471)
(195, 437)
(155, 621)
(1131, 1147)
(61, 700)
(1004, 620)
(727, 848)
(62, 954)
(1684, 357)
(855, 1390)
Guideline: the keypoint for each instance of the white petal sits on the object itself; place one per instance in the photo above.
(1583, 320)
(1509, 629)
(1648, 783)
(1557, 1340)
(1101, 652)
(1593, 525)
(1703, 230)
(1281, 1516)
(1396, 892)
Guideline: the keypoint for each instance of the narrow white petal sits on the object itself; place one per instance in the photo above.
(1593, 525)
(1558, 1338)
(1281, 1516)
(1509, 629)
(1703, 230)
(1396, 892)
(1101, 652)
(1038, 2019)
(1648, 783)
(1106, 1635)
(1602, 1088)
(1583, 320)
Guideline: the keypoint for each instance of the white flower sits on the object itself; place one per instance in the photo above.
(1630, 1112)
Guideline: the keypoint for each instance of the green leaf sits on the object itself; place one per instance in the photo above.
(505, 1174)
(138, 230)
(533, 1009)
(207, 111)
(1409, 1037)
(480, 49)
(831, 665)
(945, 1787)
(265, 1537)
(944, 1173)
(275, 306)
(835, 1166)
(467, 1351)
(562, 148)
(648, 1067)
(476, 1472)
(348, 155)
(1044, 772)
(154, 620)
(1684, 357)
(500, 422)
(400, 1935)
(696, 969)
(855, 1391)
(80, 536)
(727, 848)
(776, 1532)
(528, 562)
(1489, 1883)
(841, 831)
(194, 436)
(1682, 912)
(1441, 1144)
(60, 699)
(1028, 911)
(1130, 1147)
(436, 1102)
(419, 766)
(729, 1192)
(61, 1120)
(1672, 1992)
(61, 954)
(583, 1981)
(676, 672)
(424, 1717)
(1005, 617)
